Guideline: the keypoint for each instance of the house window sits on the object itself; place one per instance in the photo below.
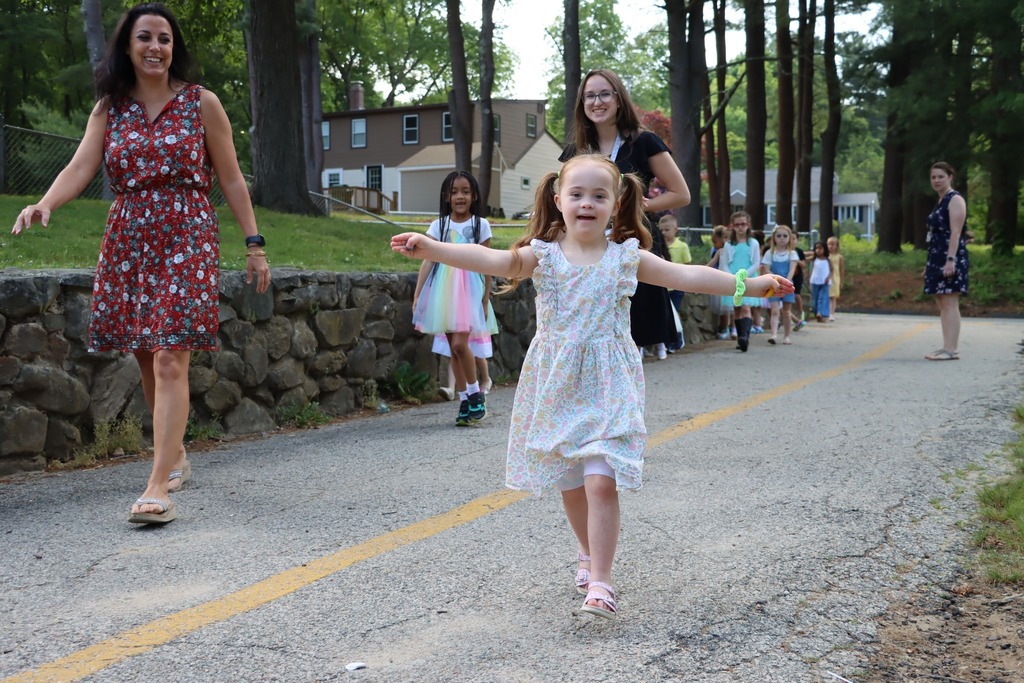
(849, 213)
(334, 179)
(770, 214)
(447, 134)
(524, 183)
(359, 132)
(325, 133)
(497, 130)
(374, 177)
(411, 129)
(531, 125)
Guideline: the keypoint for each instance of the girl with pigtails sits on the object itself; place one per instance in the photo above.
(456, 302)
(578, 416)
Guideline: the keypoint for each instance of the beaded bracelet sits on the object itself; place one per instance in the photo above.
(741, 287)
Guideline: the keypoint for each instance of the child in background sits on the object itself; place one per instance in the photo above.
(453, 301)
(680, 253)
(821, 275)
(835, 288)
(577, 420)
(719, 306)
(780, 259)
(480, 347)
(798, 285)
(742, 252)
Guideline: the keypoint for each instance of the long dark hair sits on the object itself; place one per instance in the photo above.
(115, 74)
(444, 212)
(584, 132)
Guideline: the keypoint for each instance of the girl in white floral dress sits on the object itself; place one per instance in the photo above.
(577, 420)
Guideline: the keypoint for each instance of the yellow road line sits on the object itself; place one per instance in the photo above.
(151, 635)
(705, 419)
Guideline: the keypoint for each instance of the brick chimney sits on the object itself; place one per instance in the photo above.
(355, 97)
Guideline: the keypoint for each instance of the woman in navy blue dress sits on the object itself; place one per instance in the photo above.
(945, 273)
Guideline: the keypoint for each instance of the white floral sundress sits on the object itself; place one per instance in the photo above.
(581, 390)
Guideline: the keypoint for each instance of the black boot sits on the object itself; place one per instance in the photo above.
(743, 326)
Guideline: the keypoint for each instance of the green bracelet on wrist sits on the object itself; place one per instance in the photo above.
(741, 287)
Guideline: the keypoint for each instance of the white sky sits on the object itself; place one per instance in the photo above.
(524, 22)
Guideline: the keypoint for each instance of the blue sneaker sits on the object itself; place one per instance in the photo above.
(463, 418)
(477, 410)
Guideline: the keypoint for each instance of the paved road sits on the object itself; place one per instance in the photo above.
(790, 494)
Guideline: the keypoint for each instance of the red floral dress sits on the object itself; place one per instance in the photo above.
(156, 281)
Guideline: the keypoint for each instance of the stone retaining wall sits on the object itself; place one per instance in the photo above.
(315, 336)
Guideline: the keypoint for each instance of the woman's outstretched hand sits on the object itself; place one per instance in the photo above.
(29, 215)
(406, 244)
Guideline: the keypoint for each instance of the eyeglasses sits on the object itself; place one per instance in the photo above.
(604, 97)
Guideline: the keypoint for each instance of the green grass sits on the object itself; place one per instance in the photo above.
(1001, 507)
(338, 243)
(345, 243)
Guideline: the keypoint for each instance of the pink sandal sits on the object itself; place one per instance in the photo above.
(582, 573)
(607, 596)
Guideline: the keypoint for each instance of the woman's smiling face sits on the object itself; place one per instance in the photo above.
(600, 102)
(151, 45)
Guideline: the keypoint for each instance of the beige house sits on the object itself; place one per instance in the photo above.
(404, 153)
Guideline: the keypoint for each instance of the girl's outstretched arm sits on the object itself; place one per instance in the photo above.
(688, 278)
(475, 257)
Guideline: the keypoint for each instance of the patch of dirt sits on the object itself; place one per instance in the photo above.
(900, 292)
(968, 633)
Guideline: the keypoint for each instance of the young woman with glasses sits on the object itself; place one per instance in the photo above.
(605, 122)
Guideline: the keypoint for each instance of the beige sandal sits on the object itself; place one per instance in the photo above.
(166, 514)
(180, 476)
(943, 354)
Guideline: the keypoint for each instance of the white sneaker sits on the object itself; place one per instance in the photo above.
(662, 352)
(485, 388)
(447, 393)
(724, 334)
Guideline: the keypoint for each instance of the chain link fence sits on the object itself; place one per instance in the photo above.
(30, 160)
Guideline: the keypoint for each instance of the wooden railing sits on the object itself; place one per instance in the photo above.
(364, 198)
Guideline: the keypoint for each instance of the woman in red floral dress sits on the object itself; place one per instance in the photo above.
(156, 290)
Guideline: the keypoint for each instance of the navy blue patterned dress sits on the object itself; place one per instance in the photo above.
(938, 249)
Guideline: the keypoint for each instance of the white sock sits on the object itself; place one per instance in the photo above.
(463, 395)
(473, 388)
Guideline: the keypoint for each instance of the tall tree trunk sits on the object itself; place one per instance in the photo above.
(686, 70)
(458, 98)
(829, 136)
(312, 108)
(708, 139)
(1006, 148)
(486, 110)
(805, 113)
(786, 143)
(757, 111)
(892, 215)
(92, 14)
(721, 197)
(572, 60)
(279, 163)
